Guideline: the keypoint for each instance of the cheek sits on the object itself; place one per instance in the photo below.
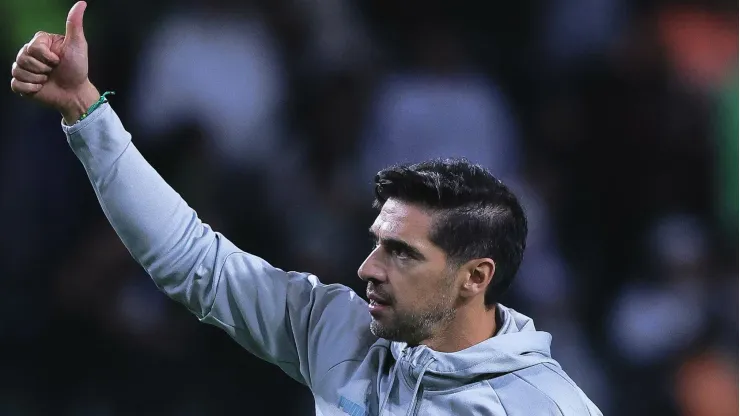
(415, 289)
(435, 290)
(405, 287)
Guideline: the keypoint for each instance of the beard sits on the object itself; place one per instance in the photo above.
(413, 327)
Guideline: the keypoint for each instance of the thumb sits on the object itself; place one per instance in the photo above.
(75, 34)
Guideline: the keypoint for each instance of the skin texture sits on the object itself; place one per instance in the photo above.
(426, 300)
(52, 69)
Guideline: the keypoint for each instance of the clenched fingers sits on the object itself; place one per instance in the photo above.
(21, 87)
(39, 48)
(30, 63)
(26, 76)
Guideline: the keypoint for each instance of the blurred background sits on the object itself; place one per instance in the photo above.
(615, 120)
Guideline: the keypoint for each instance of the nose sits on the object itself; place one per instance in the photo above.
(372, 268)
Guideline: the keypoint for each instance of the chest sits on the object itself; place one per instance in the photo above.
(380, 386)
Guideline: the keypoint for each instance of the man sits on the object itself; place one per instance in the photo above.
(432, 341)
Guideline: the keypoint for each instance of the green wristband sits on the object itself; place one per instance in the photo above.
(95, 106)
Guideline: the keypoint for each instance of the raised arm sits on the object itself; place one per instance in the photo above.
(286, 318)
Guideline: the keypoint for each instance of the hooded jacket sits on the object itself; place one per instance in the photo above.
(318, 334)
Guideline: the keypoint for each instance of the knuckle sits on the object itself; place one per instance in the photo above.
(22, 51)
(36, 50)
(23, 61)
(16, 86)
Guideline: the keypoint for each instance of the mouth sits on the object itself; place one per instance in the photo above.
(376, 304)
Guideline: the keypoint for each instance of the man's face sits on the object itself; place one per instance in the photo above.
(411, 289)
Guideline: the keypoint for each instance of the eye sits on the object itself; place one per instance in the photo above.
(399, 253)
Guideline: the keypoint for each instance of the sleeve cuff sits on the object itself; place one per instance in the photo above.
(77, 127)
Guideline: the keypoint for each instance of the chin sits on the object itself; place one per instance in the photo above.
(376, 328)
(383, 331)
(379, 330)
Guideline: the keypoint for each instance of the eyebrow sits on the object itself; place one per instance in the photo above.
(394, 243)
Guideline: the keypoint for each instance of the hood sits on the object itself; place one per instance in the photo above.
(516, 345)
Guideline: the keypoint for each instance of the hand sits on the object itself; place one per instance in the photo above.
(52, 69)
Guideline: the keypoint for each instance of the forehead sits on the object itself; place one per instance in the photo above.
(403, 221)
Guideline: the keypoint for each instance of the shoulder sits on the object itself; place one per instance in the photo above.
(542, 389)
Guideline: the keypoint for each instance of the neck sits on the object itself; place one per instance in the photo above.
(470, 326)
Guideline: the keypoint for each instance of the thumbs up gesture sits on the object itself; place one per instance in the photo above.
(52, 69)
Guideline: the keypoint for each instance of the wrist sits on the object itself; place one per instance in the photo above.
(85, 97)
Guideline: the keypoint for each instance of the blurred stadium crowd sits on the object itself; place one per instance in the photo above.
(615, 120)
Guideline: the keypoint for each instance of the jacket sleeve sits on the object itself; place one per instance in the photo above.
(289, 319)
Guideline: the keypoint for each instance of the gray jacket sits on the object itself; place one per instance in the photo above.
(318, 334)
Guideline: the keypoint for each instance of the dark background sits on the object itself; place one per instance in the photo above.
(616, 120)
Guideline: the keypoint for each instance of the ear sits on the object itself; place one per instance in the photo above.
(478, 275)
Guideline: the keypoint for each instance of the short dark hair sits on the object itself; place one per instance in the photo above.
(477, 216)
